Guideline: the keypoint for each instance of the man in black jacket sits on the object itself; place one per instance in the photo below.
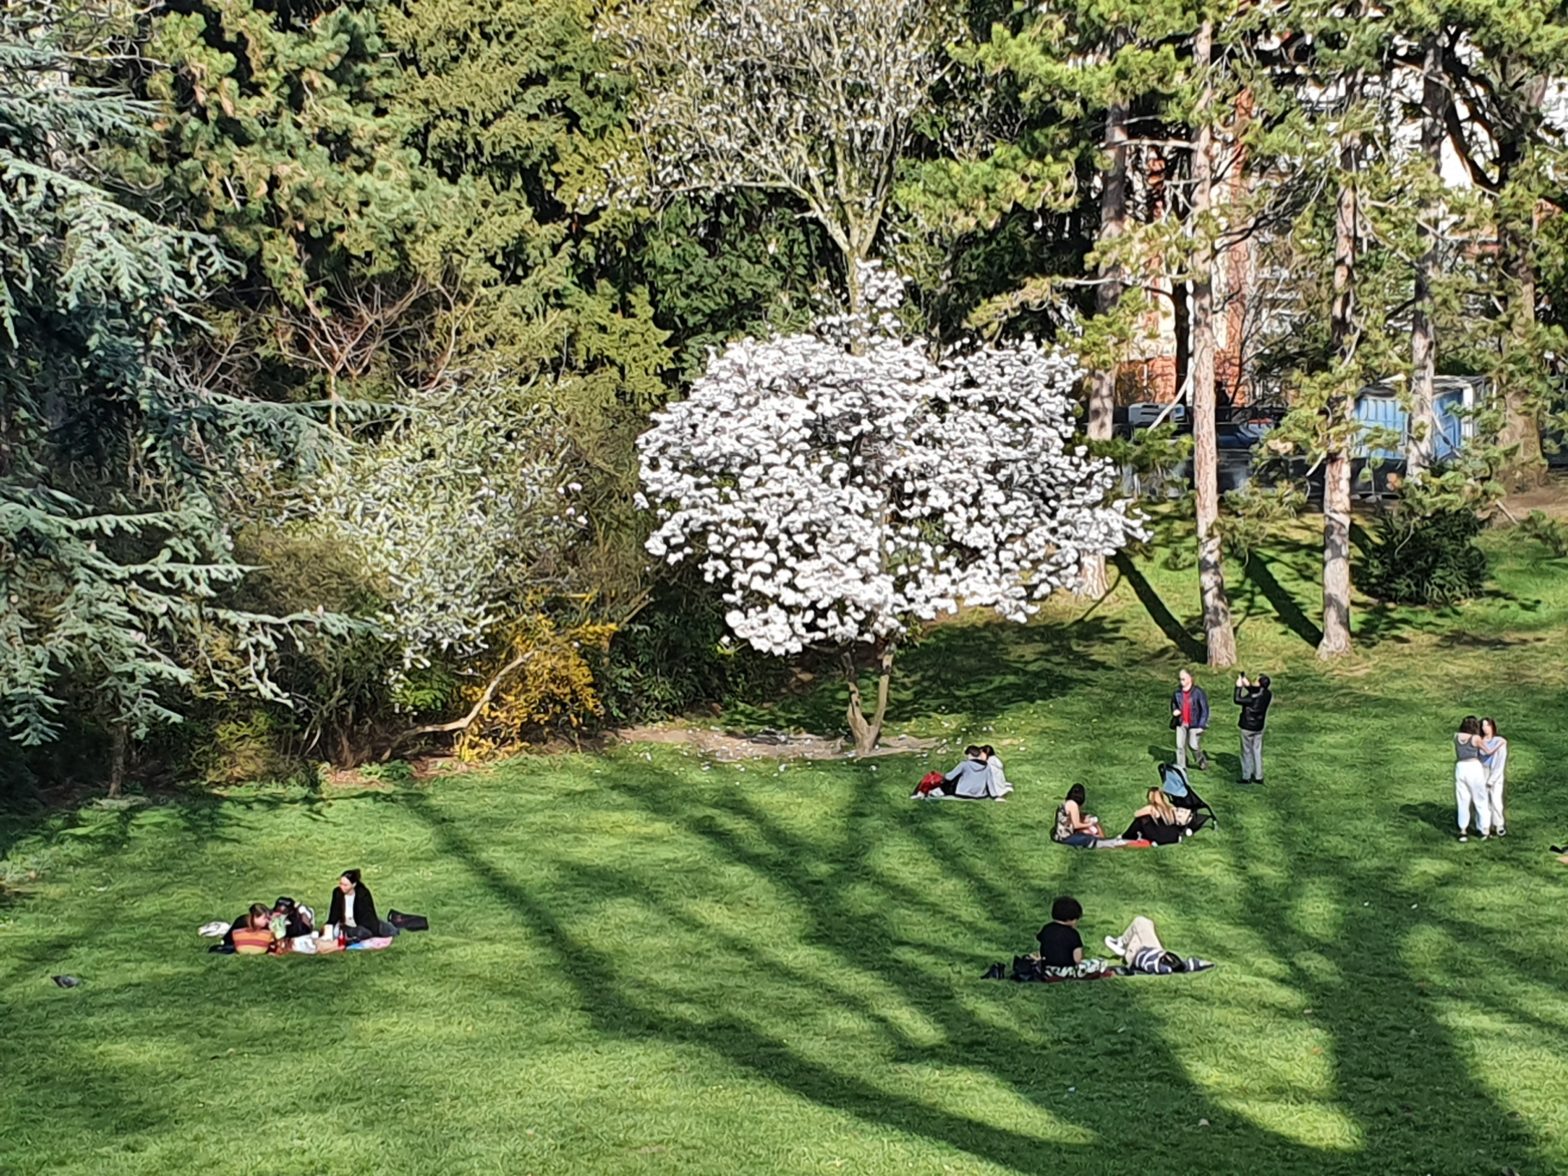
(1253, 699)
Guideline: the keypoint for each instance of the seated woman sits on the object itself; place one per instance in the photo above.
(250, 934)
(997, 784)
(294, 919)
(1073, 825)
(352, 911)
(1159, 821)
(1061, 947)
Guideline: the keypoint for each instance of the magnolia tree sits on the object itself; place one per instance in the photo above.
(844, 487)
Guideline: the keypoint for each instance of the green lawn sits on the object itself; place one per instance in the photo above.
(644, 963)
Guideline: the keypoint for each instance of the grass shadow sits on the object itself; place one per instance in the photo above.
(1185, 643)
(1259, 571)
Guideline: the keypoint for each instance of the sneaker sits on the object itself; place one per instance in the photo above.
(1502, 832)
(1463, 837)
(1115, 946)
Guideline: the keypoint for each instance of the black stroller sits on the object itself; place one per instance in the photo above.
(1174, 783)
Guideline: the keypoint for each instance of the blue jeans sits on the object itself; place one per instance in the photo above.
(1080, 840)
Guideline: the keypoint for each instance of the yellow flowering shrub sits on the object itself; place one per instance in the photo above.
(553, 692)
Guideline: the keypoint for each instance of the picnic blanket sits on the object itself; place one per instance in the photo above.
(299, 945)
(1027, 970)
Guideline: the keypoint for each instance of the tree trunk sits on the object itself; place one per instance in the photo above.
(1101, 383)
(1521, 431)
(1421, 449)
(1336, 555)
(1217, 628)
(1340, 425)
(119, 753)
(867, 731)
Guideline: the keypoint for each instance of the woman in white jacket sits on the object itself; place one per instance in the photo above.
(1470, 780)
(1494, 758)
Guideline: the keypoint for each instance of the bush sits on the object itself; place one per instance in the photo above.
(678, 654)
(246, 746)
(1549, 531)
(1425, 559)
(553, 693)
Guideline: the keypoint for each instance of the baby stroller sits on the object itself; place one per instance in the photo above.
(1174, 783)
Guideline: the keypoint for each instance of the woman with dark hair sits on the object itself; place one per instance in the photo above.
(352, 912)
(1470, 780)
(1073, 826)
(1494, 758)
(1061, 947)
(296, 918)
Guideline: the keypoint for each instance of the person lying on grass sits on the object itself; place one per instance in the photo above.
(1073, 825)
(1061, 947)
(1159, 820)
(1141, 948)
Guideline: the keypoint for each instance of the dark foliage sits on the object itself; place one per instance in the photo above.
(1425, 559)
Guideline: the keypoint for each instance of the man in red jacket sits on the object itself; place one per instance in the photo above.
(1190, 718)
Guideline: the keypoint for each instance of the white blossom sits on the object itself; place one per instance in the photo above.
(842, 485)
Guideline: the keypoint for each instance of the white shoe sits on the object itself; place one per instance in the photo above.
(1115, 946)
(1463, 837)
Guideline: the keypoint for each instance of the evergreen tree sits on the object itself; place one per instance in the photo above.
(114, 553)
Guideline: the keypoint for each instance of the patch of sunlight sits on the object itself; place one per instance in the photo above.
(1318, 910)
(1317, 967)
(1276, 1072)
(1317, 1125)
(1518, 1061)
(982, 1097)
(1429, 875)
(1426, 946)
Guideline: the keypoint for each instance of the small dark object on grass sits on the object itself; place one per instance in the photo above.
(65, 981)
(995, 972)
(408, 922)
(1560, 849)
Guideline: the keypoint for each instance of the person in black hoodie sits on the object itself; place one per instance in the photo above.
(352, 911)
(1253, 698)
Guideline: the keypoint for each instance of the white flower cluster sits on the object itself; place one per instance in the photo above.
(841, 495)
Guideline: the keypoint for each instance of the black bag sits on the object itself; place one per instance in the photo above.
(1026, 968)
(408, 922)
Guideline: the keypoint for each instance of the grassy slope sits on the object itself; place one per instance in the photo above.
(645, 963)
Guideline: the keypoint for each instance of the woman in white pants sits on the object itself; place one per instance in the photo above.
(1470, 780)
(1494, 758)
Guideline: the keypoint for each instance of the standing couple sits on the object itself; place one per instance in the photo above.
(1480, 759)
(1190, 718)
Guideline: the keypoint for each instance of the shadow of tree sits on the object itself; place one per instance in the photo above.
(1185, 642)
(1258, 572)
(1393, 1067)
